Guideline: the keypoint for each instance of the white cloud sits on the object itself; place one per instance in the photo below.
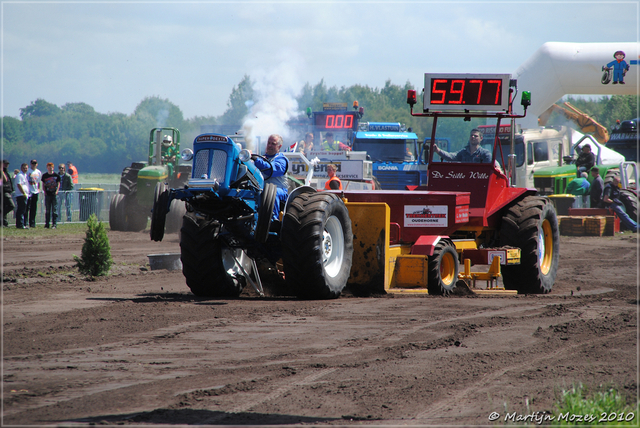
(112, 55)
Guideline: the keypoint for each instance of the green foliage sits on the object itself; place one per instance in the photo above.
(159, 112)
(608, 404)
(96, 258)
(39, 108)
(237, 107)
(106, 143)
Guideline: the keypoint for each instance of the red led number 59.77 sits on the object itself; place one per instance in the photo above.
(466, 91)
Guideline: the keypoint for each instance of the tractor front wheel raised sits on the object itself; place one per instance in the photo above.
(209, 266)
(443, 268)
(265, 212)
(317, 245)
(532, 226)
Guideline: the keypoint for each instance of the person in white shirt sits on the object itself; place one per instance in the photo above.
(22, 197)
(35, 186)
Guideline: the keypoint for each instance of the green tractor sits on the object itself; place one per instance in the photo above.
(553, 180)
(130, 209)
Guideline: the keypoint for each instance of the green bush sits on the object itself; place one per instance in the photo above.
(607, 408)
(96, 252)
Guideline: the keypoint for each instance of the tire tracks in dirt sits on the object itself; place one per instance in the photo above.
(437, 409)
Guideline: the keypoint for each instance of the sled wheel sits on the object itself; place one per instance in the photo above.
(265, 212)
(443, 269)
(532, 226)
(159, 212)
(177, 210)
(115, 212)
(207, 264)
(317, 245)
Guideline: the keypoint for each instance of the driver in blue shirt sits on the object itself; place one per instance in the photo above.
(473, 152)
(280, 165)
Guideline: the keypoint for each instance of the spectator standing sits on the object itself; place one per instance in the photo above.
(51, 184)
(7, 191)
(473, 152)
(35, 186)
(66, 185)
(73, 171)
(596, 188)
(611, 199)
(333, 183)
(22, 197)
(13, 196)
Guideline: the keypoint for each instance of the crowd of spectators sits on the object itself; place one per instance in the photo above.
(21, 192)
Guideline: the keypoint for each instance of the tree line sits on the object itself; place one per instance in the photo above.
(106, 143)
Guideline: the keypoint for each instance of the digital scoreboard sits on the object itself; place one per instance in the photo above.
(335, 120)
(472, 92)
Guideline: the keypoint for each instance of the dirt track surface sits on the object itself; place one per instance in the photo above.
(137, 347)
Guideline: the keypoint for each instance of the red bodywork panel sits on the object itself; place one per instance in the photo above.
(458, 196)
(488, 186)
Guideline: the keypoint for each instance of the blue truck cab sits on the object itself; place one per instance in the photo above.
(395, 153)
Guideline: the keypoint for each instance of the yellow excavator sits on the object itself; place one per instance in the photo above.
(587, 124)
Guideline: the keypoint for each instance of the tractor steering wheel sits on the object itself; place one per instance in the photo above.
(270, 169)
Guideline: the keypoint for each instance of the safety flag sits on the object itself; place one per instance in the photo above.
(292, 148)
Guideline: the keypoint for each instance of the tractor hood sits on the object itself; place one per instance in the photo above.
(154, 172)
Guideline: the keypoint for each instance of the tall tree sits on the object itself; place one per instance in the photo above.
(39, 108)
(240, 99)
(160, 112)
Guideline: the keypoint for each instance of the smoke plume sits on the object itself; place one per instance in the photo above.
(161, 117)
(275, 90)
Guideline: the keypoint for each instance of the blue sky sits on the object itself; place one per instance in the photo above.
(111, 55)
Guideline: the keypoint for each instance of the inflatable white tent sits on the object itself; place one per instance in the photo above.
(559, 69)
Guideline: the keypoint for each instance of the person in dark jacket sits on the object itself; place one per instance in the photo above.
(7, 190)
(596, 188)
(66, 186)
(473, 152)
(586, 160)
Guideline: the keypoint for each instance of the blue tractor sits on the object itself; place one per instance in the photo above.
(230, 227)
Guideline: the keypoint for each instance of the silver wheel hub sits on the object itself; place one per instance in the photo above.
(327, 244)
(541, 246)
(332, 247)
